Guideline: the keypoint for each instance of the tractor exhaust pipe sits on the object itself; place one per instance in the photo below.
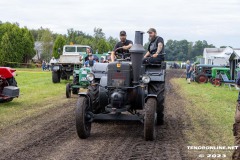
(137, 51)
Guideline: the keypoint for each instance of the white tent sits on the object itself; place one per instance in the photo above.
(217, 56)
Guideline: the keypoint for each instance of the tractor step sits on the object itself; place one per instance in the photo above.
(117, 117)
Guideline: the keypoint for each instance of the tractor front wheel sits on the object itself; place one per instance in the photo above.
(68, 90)
(83, 118)
(55, 77)
(158, 88)
(150, 119)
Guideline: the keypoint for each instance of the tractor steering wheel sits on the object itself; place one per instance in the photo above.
(124, 56)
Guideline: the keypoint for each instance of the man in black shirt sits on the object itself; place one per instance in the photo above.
(155, 48)
(121, 47)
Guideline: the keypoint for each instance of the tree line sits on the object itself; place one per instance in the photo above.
(98, 41)
(17, 43)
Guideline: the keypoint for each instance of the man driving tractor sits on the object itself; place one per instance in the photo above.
(121, 47)
(155, 48)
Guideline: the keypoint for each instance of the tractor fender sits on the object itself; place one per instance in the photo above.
(56, 68)
(150, 96)
(103, 81)
(84, 94)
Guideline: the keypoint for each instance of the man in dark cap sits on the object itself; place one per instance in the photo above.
(121, 47)
(155, 48)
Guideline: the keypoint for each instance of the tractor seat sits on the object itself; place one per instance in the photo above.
(161, 65)
(152, 64)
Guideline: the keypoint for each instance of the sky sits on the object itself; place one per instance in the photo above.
(217, 21)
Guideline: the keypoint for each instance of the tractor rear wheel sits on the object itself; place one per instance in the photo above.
(150, 119)
(217, 82)
(55, 77)
(68, 90)
(202, 78)
(83, 118)
(158, 88)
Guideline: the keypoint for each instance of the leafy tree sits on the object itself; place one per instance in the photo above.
(112, 42)
(102, 46)
(59, 43)
(28, 45)
(47, 44)
(98, 33)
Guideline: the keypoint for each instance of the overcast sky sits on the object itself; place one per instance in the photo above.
(217, 21)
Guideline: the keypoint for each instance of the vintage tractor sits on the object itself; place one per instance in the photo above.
(64, 68)
(79, 80)
(8, 85)
(216, 71)
(123, 90)
(71, 55)
(203, 72)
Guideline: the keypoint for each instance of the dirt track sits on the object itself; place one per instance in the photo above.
(52, 135)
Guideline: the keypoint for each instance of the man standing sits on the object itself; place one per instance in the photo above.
(121, 47)
(155, 48)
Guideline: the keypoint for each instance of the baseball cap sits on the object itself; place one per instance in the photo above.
(152, 30)
(123, 33)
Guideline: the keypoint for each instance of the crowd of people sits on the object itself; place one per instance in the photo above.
(47, 66)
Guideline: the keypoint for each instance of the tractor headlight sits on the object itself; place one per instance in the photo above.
(90, 77)
(146, 79)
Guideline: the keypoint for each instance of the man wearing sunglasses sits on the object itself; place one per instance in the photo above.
(122, 47)
(155, 48)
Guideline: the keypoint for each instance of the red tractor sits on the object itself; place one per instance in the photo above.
(8, 85)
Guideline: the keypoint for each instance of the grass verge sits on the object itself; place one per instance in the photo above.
(211, 113)
(37, 94)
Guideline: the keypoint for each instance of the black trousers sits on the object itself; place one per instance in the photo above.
(152, 60)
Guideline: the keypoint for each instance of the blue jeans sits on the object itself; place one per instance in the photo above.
(189, 74)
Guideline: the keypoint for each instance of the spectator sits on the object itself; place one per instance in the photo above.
(43, 65)
(48, 66)
(89, 53)
(90, 62)
(53, 60)
(188, 71)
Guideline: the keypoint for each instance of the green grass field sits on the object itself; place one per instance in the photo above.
(37, 93)
(211, 112)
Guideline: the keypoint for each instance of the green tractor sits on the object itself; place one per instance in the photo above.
(216, 71)
(80, 72)
(79, 80)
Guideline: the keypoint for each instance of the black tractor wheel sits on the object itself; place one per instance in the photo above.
(83, 118)
(158, 88)
(150, 119)
(12, 82)
(68, 90)
(93, 92)
(202, 78)
(55, 77)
